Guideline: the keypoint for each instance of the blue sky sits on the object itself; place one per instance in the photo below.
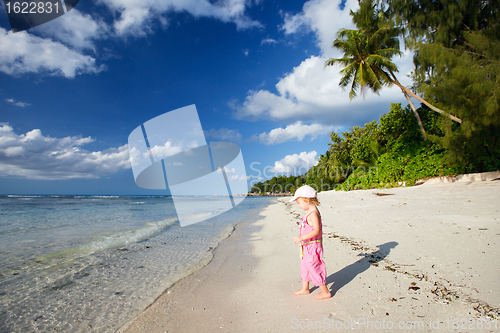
(73, 89)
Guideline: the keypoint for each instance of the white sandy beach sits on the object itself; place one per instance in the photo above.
(423, 258)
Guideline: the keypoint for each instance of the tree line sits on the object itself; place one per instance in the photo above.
(456, 77)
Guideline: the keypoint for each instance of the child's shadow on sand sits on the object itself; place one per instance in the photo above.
(348, 273)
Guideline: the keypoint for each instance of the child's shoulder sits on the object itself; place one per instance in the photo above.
(314, 213)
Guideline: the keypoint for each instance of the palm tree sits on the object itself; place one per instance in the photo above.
(367, 60)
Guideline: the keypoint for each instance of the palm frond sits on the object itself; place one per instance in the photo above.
(366, 58)
(348, 74)
(373, 79)
(384, 77)
(342, 61)
(343, 33)
(379, 61)
(389, 53)
(352, 92)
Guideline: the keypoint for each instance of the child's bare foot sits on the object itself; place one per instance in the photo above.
(301, 292)
(323, 295)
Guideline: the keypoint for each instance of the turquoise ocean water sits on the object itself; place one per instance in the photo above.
(91, 263)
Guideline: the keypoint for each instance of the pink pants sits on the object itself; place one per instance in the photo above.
(312, 267)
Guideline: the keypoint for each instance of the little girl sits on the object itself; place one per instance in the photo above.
(312, 267)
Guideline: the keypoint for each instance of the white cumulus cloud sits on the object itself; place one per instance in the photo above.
(310, 92)
(297, 131)
(22, 53)
(296, 164)
(57, 47)
(166, 150)
(295, 23)
(35, 156)
(75, 29)
(324, 18)
(136, 16)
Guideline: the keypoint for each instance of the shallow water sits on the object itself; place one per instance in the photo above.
(83, 263)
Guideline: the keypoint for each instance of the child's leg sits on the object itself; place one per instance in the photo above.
(325, 293)
(304, 290)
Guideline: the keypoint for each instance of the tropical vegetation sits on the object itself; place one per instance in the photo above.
(456, 47)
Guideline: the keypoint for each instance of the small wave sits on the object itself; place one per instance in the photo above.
(127, 237)
(102, 243)
(137, 203)
(105, 196)
(23, 196)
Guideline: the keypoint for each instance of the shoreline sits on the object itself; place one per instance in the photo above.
(247, 285)
(238, 233)
(104, 262)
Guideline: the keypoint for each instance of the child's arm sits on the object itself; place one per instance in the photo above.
(312, 219)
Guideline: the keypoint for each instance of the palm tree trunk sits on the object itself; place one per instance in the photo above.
(416, 114)
(396, 82)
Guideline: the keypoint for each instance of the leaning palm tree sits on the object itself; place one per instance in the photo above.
(367, 61)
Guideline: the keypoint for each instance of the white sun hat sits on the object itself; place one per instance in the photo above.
(305, 191)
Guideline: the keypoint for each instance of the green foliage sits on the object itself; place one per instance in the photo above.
(387, 153)
(390, 152)
(368, 53)
(440, 21)
(403, 165)
(467, 80)
(456, 46)
(279, 184)
(347, 151)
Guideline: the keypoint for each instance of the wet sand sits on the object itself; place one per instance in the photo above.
(423, 257)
